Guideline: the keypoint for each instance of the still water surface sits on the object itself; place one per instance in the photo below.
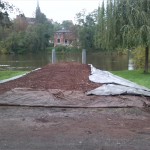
(104, 61)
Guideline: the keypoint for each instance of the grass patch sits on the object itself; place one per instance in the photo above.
(9, 74)
(135, 76)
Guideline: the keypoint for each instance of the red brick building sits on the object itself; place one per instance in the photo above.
(63, 37)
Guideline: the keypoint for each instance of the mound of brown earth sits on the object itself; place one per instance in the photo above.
(65, 76)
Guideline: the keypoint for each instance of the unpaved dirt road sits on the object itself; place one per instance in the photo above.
(24, 128)
(37, 112)
(65, 76)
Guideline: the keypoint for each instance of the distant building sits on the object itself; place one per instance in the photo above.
(30, 21)
(63, 37)
(27, 20)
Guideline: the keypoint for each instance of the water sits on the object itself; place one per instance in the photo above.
(101, 60)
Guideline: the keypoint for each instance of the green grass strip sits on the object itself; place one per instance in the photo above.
(9, 74)
(135, 76)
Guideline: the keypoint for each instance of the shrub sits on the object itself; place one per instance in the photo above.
(139, 57)
(67, 49)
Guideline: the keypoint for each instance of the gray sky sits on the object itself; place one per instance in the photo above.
(57, 10)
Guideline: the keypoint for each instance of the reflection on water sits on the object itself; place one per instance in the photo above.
(100, 60)
(130, 64)
(111, 61)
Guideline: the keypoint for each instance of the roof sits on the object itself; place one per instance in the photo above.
(63, 31)
(30, 19)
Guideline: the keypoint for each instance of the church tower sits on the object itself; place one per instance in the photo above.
(38, 7)
(38, 10)
(39, 16)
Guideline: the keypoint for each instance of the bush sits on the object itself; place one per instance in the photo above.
(67, 49)
(139, 57)
(3, 50)
(121, 51)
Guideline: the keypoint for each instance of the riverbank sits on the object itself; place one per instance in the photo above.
(136, 76)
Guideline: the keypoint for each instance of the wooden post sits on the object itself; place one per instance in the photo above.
(53, 56)
(83, 56)
(146, 59)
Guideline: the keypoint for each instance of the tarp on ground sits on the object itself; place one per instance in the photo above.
(27, 97)
(114, 85)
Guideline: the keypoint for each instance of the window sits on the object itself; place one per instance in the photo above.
(58, 40)
(66, 41)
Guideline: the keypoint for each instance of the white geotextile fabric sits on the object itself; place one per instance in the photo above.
(112, 89)
(114, 85)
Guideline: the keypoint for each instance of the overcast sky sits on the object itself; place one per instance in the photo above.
(57, 10)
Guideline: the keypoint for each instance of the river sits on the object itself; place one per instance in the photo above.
(101, 60)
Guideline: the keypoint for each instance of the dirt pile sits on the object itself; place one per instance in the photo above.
(65, 76)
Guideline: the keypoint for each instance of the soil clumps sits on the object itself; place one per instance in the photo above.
(64, 76)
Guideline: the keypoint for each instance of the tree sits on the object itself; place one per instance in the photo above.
(124, 24)
(5, 23)
(23, 37)
(80, 17)
(20, 23)
(67, 24)
(4, 17)
(100, 28)
(5, 9)
(86, 27)
(136, 32)
(57, 26)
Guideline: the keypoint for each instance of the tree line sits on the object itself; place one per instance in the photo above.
(124, 24)
(115, 25)
(27, 35)
(18, 36)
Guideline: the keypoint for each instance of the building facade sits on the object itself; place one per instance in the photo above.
(63, 37)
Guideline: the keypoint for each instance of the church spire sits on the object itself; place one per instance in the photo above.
(38, 4)
(39, 16)
(38, 8)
